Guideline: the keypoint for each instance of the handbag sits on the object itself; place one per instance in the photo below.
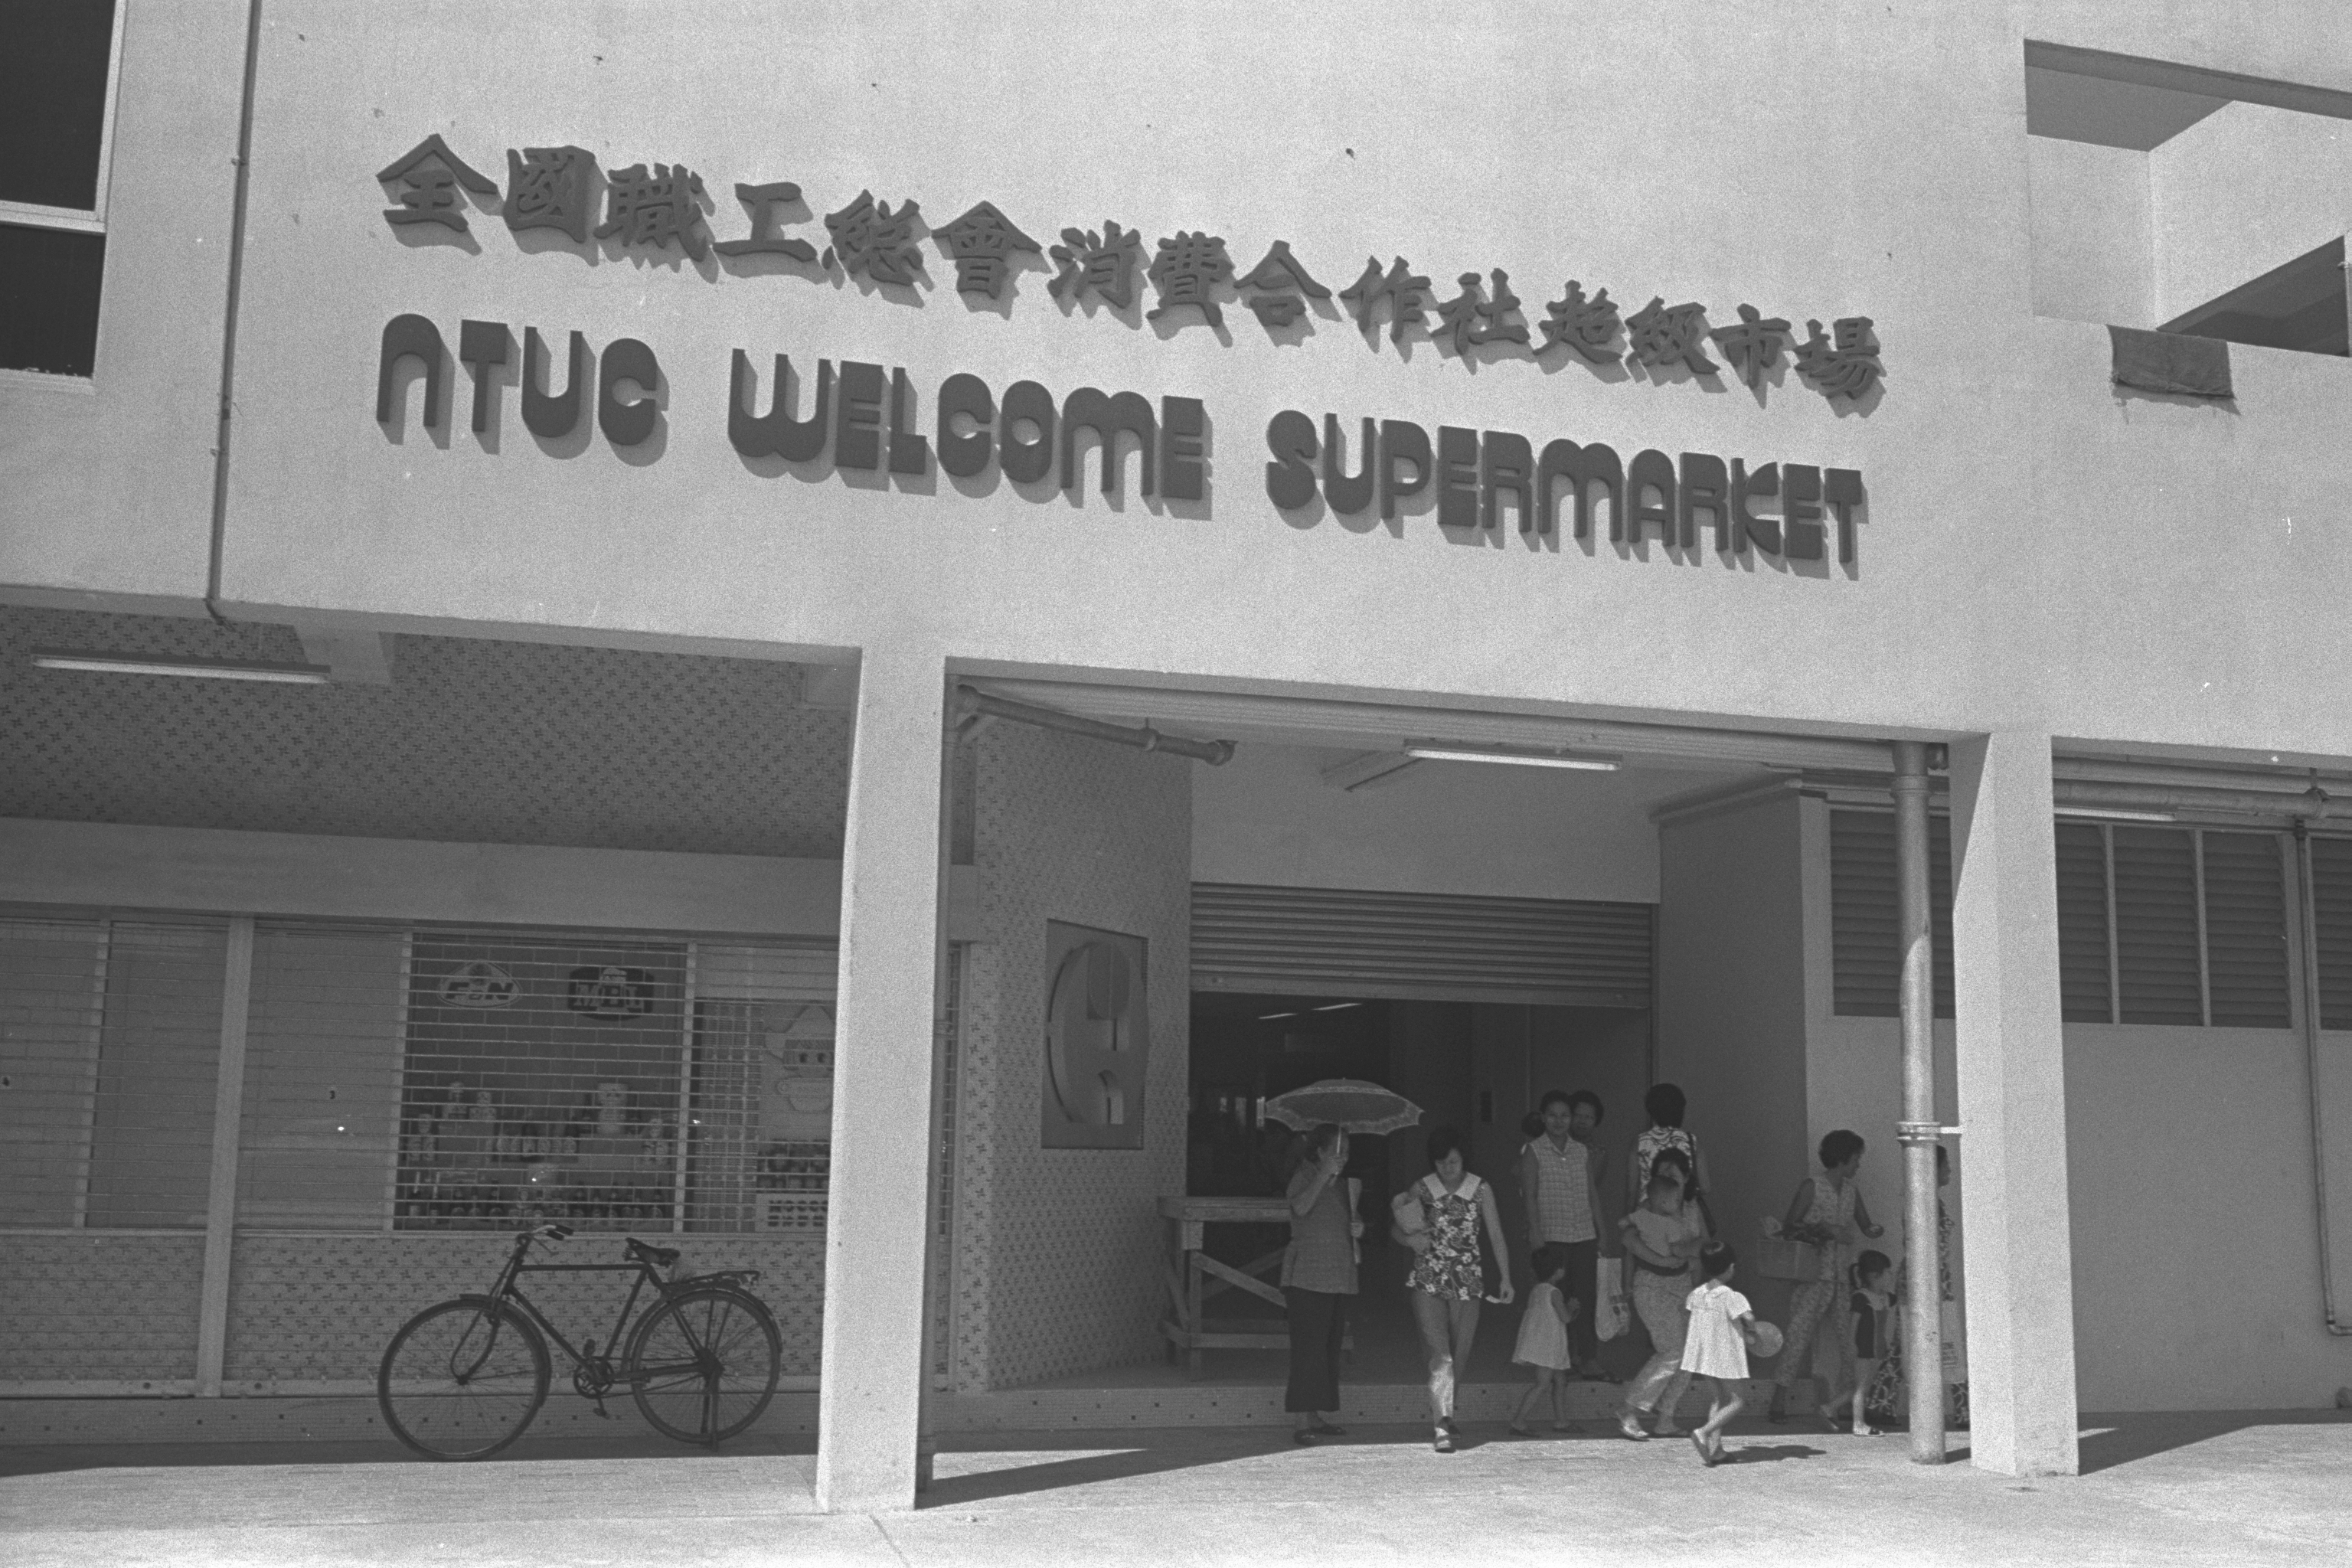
(1781, 1256)
(1609, 1317)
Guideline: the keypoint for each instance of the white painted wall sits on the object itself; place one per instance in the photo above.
(2091, 261)
(2196, 1237)
(2245, 189)
(1267, 817)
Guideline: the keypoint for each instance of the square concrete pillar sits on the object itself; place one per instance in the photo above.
(2012, 1079)
(869, 1397)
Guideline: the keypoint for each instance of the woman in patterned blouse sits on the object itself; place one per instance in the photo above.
(1448, 1277)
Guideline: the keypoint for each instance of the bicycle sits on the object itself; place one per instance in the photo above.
(463, 1378)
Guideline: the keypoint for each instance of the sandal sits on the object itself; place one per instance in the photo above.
(1444, 1444)
(1706, 1455)
(1325, 1429)
(1518, 1432)
(1631, 1429)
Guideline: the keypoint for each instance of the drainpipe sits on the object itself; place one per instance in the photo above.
(1919, 1133)
(971, 699)
(228, 317)
(2312, 801)
(2306, 906)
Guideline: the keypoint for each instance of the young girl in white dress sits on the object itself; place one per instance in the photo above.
(1543, 1341)
(1722, 1328)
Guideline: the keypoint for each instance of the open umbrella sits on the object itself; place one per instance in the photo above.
(1355, 1105)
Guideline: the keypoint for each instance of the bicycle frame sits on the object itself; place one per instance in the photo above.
(592, 1362)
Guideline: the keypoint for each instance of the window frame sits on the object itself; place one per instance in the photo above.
(91, 219)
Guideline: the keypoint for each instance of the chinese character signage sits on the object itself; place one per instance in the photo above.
(870, 417)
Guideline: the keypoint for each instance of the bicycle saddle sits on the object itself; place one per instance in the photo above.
(660, 1256)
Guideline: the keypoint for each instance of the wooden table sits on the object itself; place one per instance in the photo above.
(1192, 1276)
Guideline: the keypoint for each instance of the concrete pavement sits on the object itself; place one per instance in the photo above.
(2203, 1487)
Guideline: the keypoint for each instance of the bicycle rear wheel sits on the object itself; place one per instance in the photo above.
(703, 1365)
(461, 1380)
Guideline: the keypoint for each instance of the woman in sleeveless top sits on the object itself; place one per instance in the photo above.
(1827, 1210)
(1448, 1277)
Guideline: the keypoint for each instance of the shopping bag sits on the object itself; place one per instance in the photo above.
(1610, 1312)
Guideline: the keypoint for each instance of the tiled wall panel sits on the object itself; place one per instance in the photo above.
(474, 741)
(100, 1308)
(1057, 1249)
(309, 1309)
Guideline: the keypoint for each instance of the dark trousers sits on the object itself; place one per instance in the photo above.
(1582, 1284)
(1319, 1324)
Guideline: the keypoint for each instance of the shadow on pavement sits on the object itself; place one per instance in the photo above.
(2120, 1439)
(1769, 1453)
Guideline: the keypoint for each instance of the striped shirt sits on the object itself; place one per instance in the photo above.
(1563, 1190)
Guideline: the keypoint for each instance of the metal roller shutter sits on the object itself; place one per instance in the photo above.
(1865, 951)
(112, 1031)
(1339, 941)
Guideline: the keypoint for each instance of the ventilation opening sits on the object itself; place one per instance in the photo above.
(2186, 201)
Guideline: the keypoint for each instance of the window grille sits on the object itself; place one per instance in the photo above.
(760, 1149)
(111, 1033)
(540, 1079)
(2172, 925)
(1865, 941)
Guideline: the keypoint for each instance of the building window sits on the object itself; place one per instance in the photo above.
(2172, 925)
(58, 64)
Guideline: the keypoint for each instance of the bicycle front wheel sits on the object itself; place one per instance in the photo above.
(703, 1365)
(461, 1380)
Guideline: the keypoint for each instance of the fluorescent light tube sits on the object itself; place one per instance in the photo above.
(157, 664)
(2102, 813)
(1335, 1006)
(1270, 1018)
(1524, 758)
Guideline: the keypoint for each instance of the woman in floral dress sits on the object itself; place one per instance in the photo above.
(1448, 1277)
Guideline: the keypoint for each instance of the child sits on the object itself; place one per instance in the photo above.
(1872, 1299)
(1722, 1326)
(1543, 1339)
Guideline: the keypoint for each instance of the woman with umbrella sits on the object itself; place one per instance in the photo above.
(1318, 1268)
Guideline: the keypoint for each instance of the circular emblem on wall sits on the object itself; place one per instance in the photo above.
(1089, 1034)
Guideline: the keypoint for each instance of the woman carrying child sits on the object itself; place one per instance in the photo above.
(1448, 1277)
(1661, 1237)
(1722, 1330)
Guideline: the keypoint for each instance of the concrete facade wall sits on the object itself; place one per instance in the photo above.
(2245, 189)
(1058, 1250)
(106, 485)
(1732, 1009)
(1267, 819)
(2093, 260)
